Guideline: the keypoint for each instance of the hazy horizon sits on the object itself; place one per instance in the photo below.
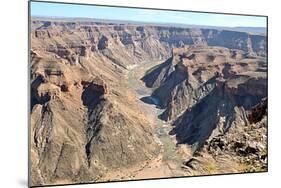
(61, 10)
(132, 22)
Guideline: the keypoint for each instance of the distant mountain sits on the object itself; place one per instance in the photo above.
(252, 30)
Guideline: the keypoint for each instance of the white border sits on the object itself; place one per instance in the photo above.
(13, 99)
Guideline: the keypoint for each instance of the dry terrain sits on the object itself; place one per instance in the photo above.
(115, 101)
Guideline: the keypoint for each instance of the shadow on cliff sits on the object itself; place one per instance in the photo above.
(197, 123)
(150, 100)
(152, 74)
(90, 98)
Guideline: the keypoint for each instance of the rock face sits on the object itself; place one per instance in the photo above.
(127, 44)
(84, 124)
(216, 99)
(192, 73)
(224, 107)
(258, 112)
(248, 143)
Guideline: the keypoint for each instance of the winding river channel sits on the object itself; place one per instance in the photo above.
(169, 154)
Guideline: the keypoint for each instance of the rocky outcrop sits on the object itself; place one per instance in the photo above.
(248, 144)
(223, 108)
(214, 96)
(127, 44)
(79, 131)
(112, 142)
(79, 136)
(93, 91)
(191, 73)
(258, 112)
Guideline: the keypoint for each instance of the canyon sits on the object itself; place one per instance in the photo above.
(124, 101)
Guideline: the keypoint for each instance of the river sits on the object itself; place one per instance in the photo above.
(170, 159)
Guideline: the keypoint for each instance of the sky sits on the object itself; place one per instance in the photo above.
(45, 9)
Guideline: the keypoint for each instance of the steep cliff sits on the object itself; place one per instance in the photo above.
(191, 73)
(223, 108)
(82, 124)
(213, 96)
(130, 44)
